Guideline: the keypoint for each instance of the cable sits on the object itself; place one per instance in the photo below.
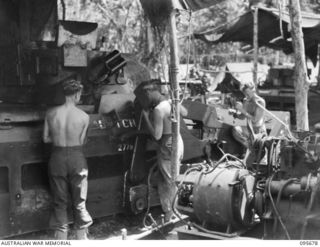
(289, 181)
(289, 207)
(278, 119)
(275, 208)
(225, 157)
(231, 72)
(124, 189)
(144, 221)
(227, 235)
(147, 213)
(304, 150)
(199, 168)
(310, 205)
(63, 5)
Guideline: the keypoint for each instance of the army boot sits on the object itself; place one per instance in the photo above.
(81, 234)
(60, 235)
(169, 216)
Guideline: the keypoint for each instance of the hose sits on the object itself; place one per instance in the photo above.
(279, 120)
(271, 158)
(289, 181)
(310, 205)
(147, 213)
(228, 235)
(199, 168)
(310, 156)
(275, 208)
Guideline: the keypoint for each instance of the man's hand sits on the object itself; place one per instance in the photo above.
(46, 132)
(183, 110)
(239, 106)
(146, 114)
(155, 124)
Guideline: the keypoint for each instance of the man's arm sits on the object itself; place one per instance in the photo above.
(259, 113)
(46, 132)
(156, 128)
(183, 110)
(240, 108)
(85, 129)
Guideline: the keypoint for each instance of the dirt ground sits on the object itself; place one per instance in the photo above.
(103, 228)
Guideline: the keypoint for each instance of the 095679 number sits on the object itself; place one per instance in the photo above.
(308, 243)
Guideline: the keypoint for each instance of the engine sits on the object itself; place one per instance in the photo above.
(279, 198)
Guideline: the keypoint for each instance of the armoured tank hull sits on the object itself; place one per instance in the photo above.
(24, 190)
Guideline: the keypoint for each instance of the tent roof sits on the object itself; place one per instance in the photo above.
(158, 10)
(243, 72)
(195, 5)
(269, 35)
(234, 75)
(308, 19)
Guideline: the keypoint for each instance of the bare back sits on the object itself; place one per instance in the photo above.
(252, 108)
(165, 108)
(66, 126)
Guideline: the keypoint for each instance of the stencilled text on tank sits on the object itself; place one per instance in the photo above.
(125, 147)
(126, 123)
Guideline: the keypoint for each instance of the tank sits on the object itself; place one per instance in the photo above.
(34, 60)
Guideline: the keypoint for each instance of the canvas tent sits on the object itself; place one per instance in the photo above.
(195, 5)
(192, 5)
(242, 72)
(269, 34)
(158, 10)
(234, 75)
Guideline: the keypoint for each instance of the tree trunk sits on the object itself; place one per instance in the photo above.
(300, 70)
(174, 71)
(255, 45)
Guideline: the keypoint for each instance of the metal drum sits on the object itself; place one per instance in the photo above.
(220, 197)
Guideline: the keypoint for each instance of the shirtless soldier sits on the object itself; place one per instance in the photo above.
(157, 114)
(66, 127)
(255, 116)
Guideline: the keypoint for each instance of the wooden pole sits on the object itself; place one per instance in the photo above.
(150, 41)
(277, 58)
(174, 70)
(300, 69)
(318, 61)
(255, 45)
